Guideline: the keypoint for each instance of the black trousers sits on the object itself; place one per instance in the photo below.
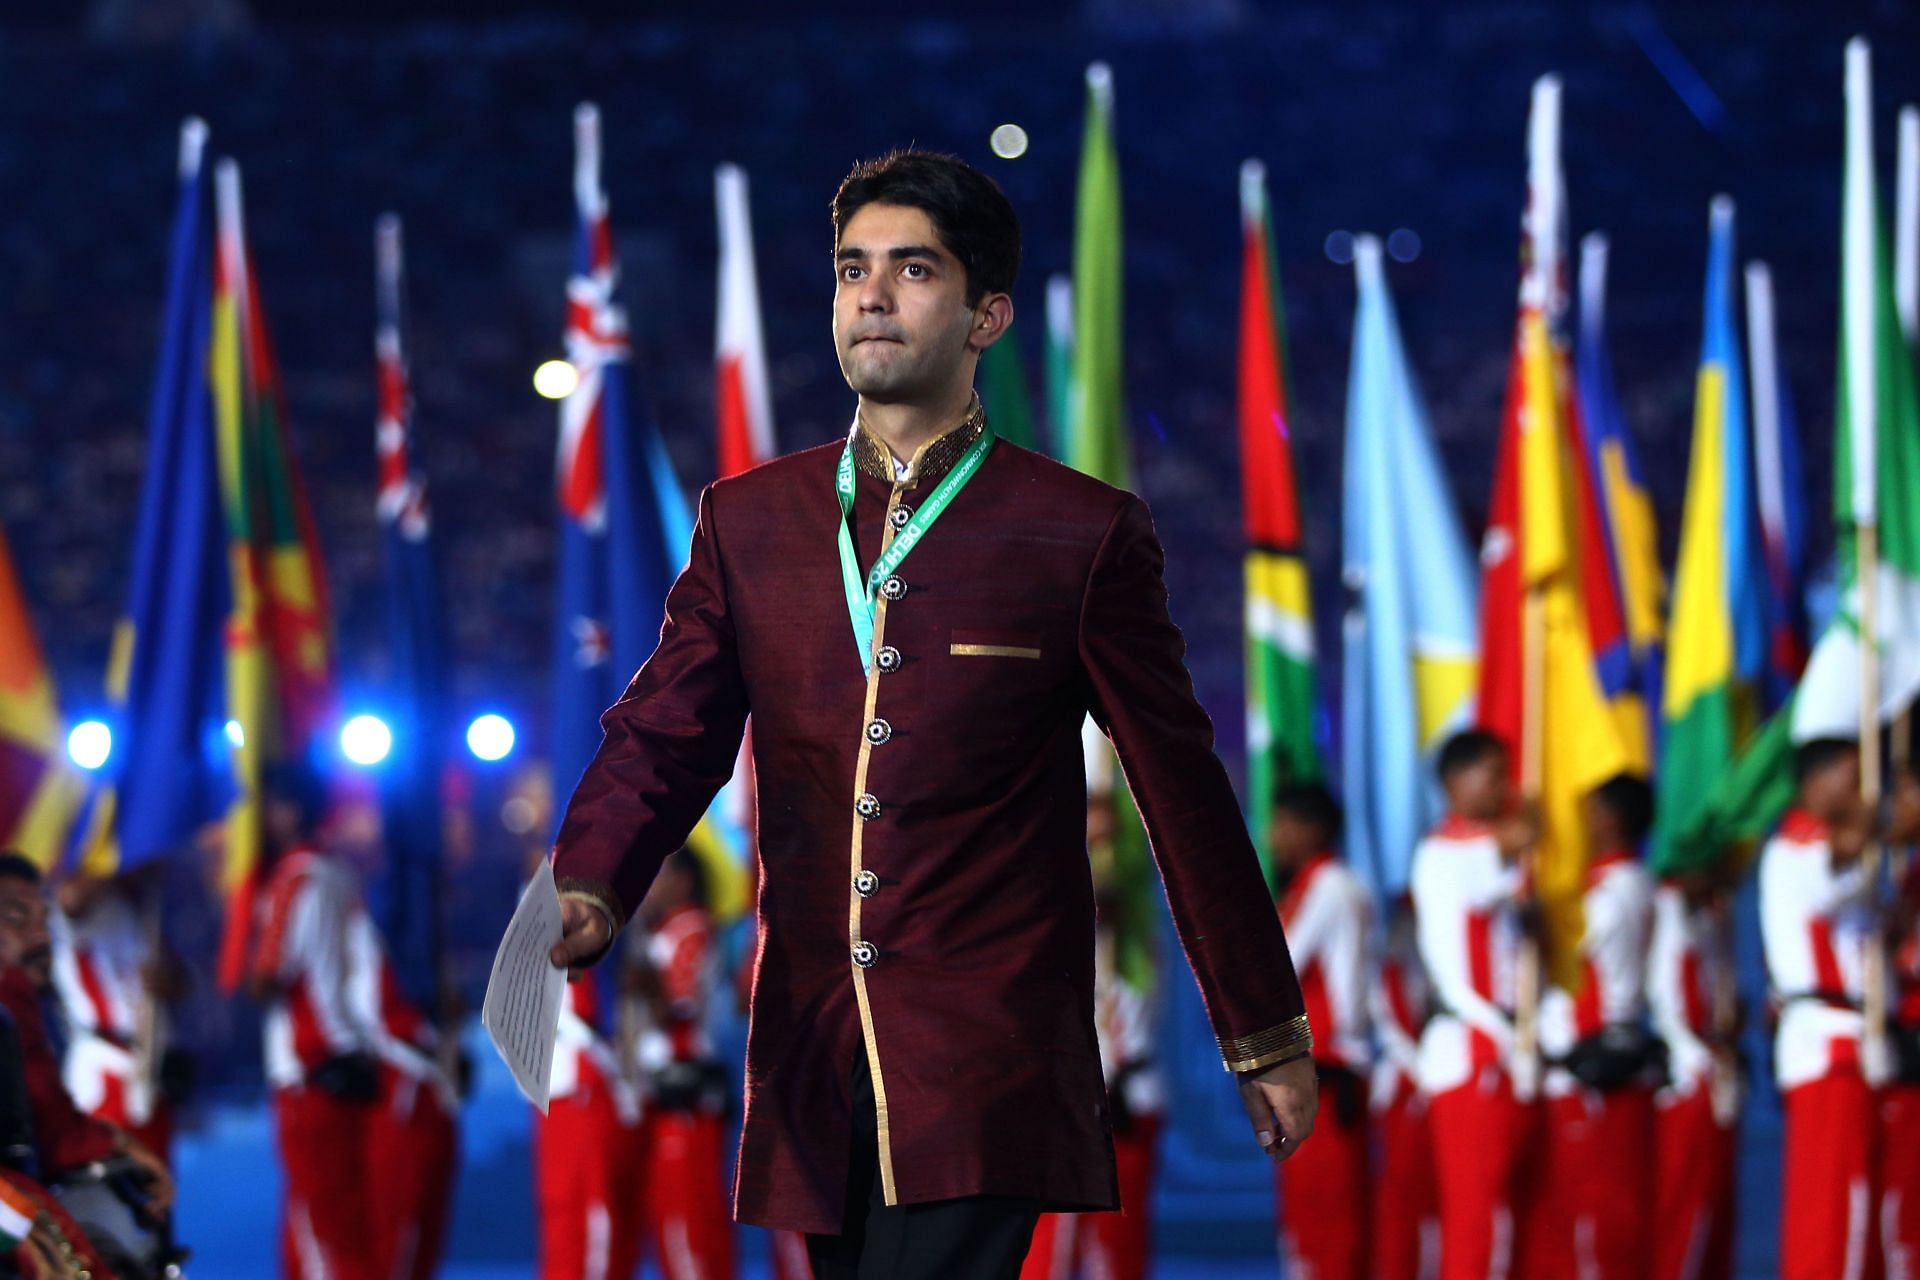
(974, 1238)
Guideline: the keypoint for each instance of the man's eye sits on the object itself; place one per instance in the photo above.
(850, 272)
(915, 270)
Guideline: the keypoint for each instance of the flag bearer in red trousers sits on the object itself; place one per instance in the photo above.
(1405, 1201)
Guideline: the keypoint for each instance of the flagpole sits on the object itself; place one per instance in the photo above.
(1906, 302)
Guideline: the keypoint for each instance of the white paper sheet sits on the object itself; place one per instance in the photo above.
(522, 1010)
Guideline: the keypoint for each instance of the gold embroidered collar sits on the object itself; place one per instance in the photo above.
(930, 461)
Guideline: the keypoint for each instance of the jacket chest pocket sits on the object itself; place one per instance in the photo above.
(996, 645)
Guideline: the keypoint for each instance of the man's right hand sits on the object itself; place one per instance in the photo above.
(584, 935)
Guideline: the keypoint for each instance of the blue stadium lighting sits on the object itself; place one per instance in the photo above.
(90, 743)
(490, 737)
(236, 736)
(366, 740)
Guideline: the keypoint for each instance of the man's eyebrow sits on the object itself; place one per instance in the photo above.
(899, 253)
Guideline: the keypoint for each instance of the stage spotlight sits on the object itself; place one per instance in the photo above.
(90, 743)
(236, 736)
(490, 737)
(1009, 142)
(556, 379)
(1403, 245)
(366, 740)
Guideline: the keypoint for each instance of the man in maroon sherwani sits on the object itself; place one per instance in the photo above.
(919, 619)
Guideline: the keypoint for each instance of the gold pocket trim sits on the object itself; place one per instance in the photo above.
(992, 651)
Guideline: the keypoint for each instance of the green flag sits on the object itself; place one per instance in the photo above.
(1003, 392)
(1097, 436)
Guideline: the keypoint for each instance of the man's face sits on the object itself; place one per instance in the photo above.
(1294, 839)
(1834, 786)
(1481, 790)
(900, 314)
(24, 940)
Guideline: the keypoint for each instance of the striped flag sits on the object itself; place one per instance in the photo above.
(1716, 613)
(1780, 490)
(745, 425)
(406, 897)
(1626, 589)
(280, 691)
(1410, 639)
(172, 767)
(38, 791)
(1539, 689)
(1282, 703)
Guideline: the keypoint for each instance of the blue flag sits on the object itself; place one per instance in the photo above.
(1410, 637)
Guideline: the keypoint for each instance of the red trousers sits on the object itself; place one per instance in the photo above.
(323, 1222)
(1104, 1246)
(683, 1205)
(585, 1173)
(411, 1157)
(1321, 1197)
(1587, 1203)
(789, 1249)
(1406, 1221)
(1899, 1179)
(1481, 1135)
(1827, 1165)
(1693, 1171)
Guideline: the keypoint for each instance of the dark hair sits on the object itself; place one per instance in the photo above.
(1630, 800)
(1313, 803)
(1811, 757)
(15, 865)
(972, 216)
(688, 864)
(299, 784)
(1468, 748)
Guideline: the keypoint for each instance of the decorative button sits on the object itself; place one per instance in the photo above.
(894, 588)
(888, 659)
(864, 954)
(867, 806)
(866, 884)
(899, 516)
(878, 732)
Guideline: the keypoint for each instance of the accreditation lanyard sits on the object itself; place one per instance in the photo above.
(860, 591)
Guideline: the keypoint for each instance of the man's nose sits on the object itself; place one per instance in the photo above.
(875, 293)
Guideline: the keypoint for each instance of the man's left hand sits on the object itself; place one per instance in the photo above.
(160, 1181)
(1281, 1101)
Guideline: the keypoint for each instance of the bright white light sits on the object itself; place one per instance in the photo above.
(366, 740)
(555, 379)
(1009, 142)
(236, 736)
(490, 737)
(90, 743)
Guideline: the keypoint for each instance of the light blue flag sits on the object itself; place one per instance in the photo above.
(1410, 644)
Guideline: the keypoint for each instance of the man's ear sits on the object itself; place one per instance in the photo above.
(991, 318)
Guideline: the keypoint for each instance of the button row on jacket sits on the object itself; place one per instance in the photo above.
(866, 884)
(894, 587)
(888, 659)
(899, 516)
(879, 731)
(868, 805)
(864, 954)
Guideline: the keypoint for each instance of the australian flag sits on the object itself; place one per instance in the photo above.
(624, 524)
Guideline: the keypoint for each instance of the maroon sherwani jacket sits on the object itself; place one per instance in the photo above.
(925, 895)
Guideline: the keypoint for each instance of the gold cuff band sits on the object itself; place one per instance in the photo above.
(1291, 1039)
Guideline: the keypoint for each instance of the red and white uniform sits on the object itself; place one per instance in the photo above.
(311, 908)
(682, 1202)
(99, 964)
(1117, 1245)
(1406, 1213)
(1465, 897)
(1816, 922)
(412, 1130)
(1321, 1192)
(584, 1151)
(1690, 994)
(1589, 1199)
(1899, 1163)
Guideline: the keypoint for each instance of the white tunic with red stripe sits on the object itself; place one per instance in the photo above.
(1399, 1003)
(1325, 912)
(98, 969)
(1618, 911)
(402, 1036)
(682, 954)
(1816, 922)
(312, 912)
(1465, 898)
(1689, 980)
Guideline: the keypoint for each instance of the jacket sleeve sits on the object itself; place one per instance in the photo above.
(1142, 697)
(669, 746)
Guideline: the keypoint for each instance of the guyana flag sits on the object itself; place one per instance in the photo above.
(1876, 475)
(1281, 707)
(279, 648)
(1538, 687)
(38, 792)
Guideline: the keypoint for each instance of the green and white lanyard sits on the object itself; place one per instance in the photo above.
(860, 591)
